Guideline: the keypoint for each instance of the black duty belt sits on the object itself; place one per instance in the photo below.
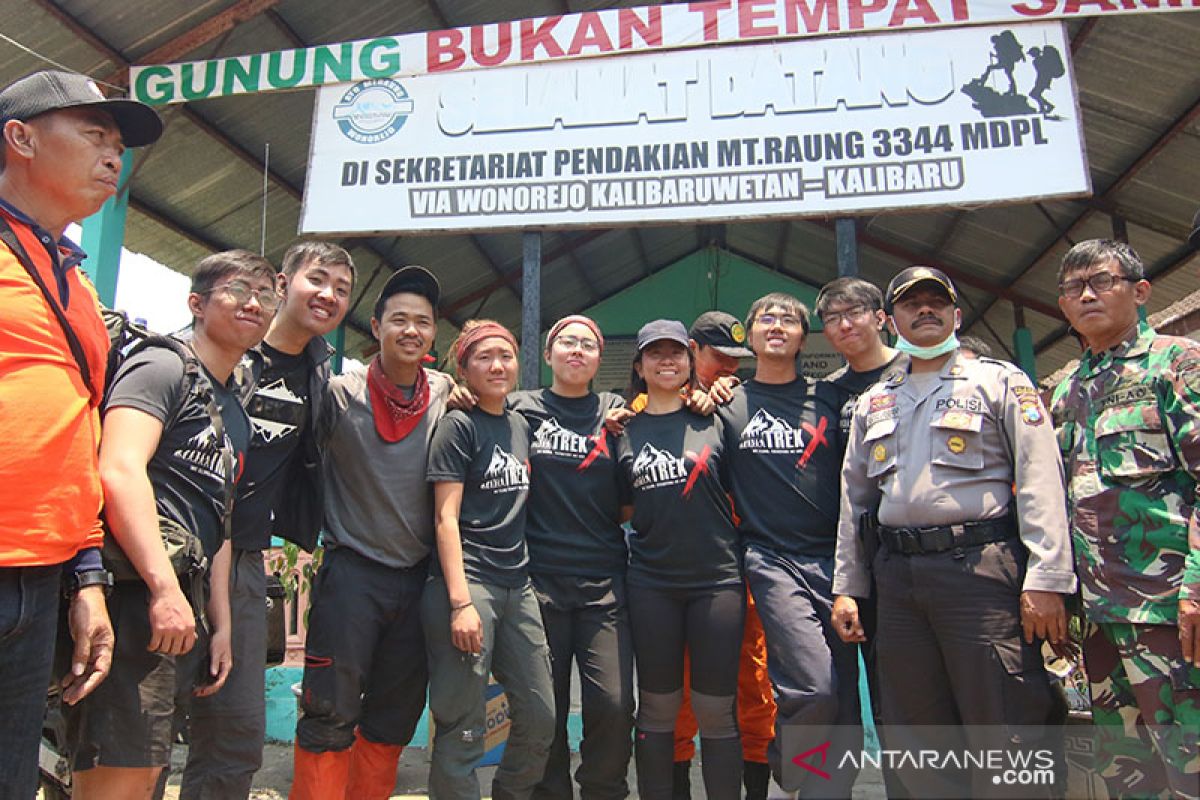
(939, 539)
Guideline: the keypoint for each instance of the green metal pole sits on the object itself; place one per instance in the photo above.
(103, 235)
(1023, 345)
(337, 340)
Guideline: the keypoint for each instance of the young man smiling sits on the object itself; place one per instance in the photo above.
(283, 383)
(785, 451)
(364, 662)
(174, 439)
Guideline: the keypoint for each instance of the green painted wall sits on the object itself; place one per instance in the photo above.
(707, 280)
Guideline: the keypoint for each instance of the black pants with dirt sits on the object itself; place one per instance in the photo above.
(587, 622)
(707, 622)
(364, 658)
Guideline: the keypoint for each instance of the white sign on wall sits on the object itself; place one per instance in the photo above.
(959, 116)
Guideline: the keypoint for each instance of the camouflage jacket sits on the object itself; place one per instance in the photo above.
(1128, 423)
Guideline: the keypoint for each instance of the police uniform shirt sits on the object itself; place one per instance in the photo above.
(575, 489)
(785, 452)
(949, 451)
(683, 532)
(489, 455)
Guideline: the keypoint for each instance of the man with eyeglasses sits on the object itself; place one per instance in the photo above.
(282, 382)
(1128, 421)
(171, 449)
(853, 322)
(953, 469)
(785, 446)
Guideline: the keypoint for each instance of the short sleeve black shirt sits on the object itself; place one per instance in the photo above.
(187, 469)
(683, 531)
(785, 458)
(489, 455)
(573, 527)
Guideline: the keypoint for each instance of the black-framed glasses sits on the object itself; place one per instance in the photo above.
(583, 343)
(852, 315)
(786, 320)
(241, 292)
(1098, 282)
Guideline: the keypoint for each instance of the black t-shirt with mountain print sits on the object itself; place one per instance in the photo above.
(187, 470)
(575, 490)
(785, 462)
(683, 532)
(489, 455)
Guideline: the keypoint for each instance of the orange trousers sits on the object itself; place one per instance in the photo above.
(755, 700)
(367, 771)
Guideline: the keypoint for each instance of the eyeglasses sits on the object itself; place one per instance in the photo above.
(786, 320)
(241, 292)
(573, 342)
(852, 315)
(1098, 282)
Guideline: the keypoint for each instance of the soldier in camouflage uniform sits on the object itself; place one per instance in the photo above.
(1128, 422)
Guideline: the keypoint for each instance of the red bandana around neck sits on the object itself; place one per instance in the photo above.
(395, 417)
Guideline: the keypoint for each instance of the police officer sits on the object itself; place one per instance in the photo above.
(956, 458)
(1129, 426)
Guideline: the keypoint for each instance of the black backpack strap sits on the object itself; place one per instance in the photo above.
(14, 244)
(194, 378)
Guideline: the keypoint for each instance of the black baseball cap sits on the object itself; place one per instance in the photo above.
(659, 329)
(53, 90)
(413, 280)
(1194, 238)
(723, 332)
(915, 276)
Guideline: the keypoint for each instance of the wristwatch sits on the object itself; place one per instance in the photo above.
(86, 578)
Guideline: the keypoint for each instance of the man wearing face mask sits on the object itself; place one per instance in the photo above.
(953, 470)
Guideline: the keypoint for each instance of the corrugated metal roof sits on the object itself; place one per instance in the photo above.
(201, 187)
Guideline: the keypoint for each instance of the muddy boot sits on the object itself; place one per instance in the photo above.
(756, 778)
(681, 781)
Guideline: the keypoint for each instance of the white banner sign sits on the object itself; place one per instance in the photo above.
(595, 33)
(958, 116)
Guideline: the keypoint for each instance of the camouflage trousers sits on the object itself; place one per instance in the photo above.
(1146, 710)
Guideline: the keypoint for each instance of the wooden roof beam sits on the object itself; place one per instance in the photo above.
(1180, 124)
(957, 274)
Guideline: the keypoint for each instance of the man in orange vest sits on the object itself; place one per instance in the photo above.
(61, 160)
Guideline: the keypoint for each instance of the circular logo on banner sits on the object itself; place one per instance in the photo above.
(371, 111)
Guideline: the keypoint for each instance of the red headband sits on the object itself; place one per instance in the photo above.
(582, 320)
(477, 334)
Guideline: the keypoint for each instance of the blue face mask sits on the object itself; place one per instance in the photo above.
(949, 345)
